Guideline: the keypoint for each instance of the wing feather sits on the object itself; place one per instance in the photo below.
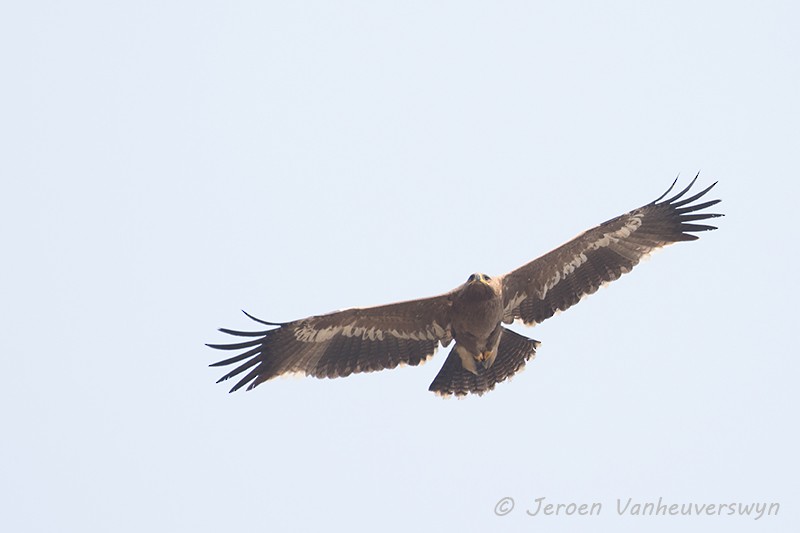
(559, 279)
(341, 343)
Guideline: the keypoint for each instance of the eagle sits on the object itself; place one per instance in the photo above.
(473, 315)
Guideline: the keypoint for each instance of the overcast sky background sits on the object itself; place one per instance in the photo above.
(165, 165)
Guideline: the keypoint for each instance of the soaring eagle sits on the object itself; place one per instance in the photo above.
(485, 353)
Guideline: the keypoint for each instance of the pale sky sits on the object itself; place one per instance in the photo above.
(165, 165)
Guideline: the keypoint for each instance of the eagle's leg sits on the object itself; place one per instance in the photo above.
(483, 358)
(468, 361)
(486, 357)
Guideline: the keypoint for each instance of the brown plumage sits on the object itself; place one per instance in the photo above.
(485, 353)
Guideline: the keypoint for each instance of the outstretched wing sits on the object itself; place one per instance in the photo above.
(341, 343)
(560, 278)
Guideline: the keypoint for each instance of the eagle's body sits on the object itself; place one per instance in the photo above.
(476, 322)
(485, 353)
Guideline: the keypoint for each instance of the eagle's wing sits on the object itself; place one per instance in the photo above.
(341, 343)
(560, 278)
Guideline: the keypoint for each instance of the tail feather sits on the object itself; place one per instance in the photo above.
(513, 352)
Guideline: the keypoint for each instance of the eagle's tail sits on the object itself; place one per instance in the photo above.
(512, 353)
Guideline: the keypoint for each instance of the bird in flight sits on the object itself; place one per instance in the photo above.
(485, 352)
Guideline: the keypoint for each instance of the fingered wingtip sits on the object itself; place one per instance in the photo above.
(677, 200)
(668, 190)
(265, 322)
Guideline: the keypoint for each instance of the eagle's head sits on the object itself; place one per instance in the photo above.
(482, 286)
(479, 278)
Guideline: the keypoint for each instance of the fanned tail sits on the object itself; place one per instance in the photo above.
(513, 352)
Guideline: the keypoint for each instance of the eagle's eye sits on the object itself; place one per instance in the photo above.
(472, 278)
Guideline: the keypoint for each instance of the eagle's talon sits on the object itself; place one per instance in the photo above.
(484, 360)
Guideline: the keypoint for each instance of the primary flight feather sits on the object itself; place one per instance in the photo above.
(485, 353)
